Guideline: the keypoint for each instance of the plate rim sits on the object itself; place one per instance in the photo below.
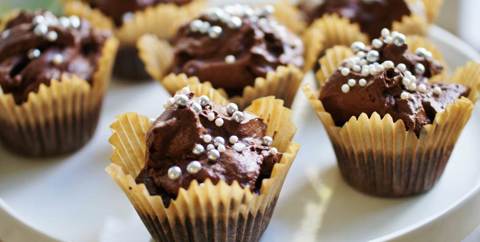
(27, 230)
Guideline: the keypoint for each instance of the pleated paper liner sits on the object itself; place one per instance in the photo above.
(334, 57)
(157, 55)
(332, 30)
(59, 118)
(289, 16)
(203, 212)
(380, 157)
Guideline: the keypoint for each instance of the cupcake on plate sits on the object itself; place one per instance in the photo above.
(204, 170)
(392, 116)
(241, 50)
(341, 22)
(131, 19)
(53, 76)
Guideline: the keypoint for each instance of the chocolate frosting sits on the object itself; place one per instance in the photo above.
(37, 47)
(119, 10)
(175, 136)
(404, 92)
(371, 15)
(250, 44)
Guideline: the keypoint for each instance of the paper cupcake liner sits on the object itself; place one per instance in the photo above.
(203, 212)
(162, 20)
(380, 157)
(334, 57)
(157, 55)
(59, 118)
(289, 16)
(432, 9)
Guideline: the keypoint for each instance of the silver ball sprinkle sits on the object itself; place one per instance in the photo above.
(345, 71)
(194, 167)
(230, 59)
(181, 100)
(210, 147)
(437, 91)
(235, 22)
(388, 40)
(221, 148)
(75, 21)
(65, 22)
(412, 86)
(5, 34)
(211, 116)
(196, 25)
(419, 68)
(219, 141)
(213, 155)
(57, 59)
(405, 95)
(345, 88)
(358, 46)
(233, 139)
(219, 122)
(239, 147)
(273, 151)
(34, 53)
(422, 88)
(373, 56)
(196, 107)
(422, 52)
(40, 19)
(352, 82)
(207, 138)
(267, 140)
(215, 32)
(174, 172)
(362, 82)
(40, 30)
(388, 64)
(385, 32)
(232, 108)
(238, 116)
(127, 17)
(204, 101)
(52, 36)
(198, 149)
(399, 39)
(357, 68)
(376, 43)
(402, 67)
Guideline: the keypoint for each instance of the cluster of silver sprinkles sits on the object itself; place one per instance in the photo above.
(41, 27)
(366, 63)
(213, 147)
(231, 16)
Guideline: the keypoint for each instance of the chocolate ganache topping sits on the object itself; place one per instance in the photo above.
(196, 139)
(232, 46)
(122, 10)
(371, 15)
(388, 79)
(36, 47)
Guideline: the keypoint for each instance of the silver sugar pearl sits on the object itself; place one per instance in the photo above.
(388, 64)
(75, 21)
(211, 116)
(174, 172)
(181, 100)
(358, 46)
(419, 68)
(52, 36)
(65, 22)
(422, 87)
(412, 86)
(127, 17)
(376, 43)
(267, 140)
(219, 140)
(194, 167)
(40, 19)
(422, 52)
(196, 25)
(362, 82)
(198, 149)
(238, 116)
(213, 155)
(399, 39)
(221, 148)
(405, 95)
(207, 138)
(57, 59)
(34, 53)
(204, 101)
(385, 32)
(40, 30)
(344, 71)
(345, 88)
(273, 151)
(232, 108)
(373, 56)
(230, 59)
(437, 91)
(196, 107)
(210, 147)
(402, 67)
(352, 82)
(215, 32)
(5, 34)
(235, 22)
(233, 139)
(219, 122)
(239, 147)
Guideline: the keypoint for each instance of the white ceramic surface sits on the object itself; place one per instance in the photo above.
(72, 198)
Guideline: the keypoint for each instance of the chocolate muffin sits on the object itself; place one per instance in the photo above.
(388, 79)
(392, 116)
(371, 15)
(129, 20)
(209, 171)
(196, 139)
(47, 65)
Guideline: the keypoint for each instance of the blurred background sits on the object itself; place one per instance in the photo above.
(458, 16)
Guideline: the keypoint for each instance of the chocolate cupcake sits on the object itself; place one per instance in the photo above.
(129, 20)
(53, 76)
(204, 170)
(241, 50)
(341, 22)
(391, 115)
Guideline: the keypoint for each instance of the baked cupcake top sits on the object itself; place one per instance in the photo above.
(388, 79)
(123, 10)
(37, 47)
(196, 139)
(232, 46)
(371, 15)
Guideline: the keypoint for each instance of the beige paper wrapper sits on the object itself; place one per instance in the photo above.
(331, 30)
(380, 157)
(59, 118)
(333, 58)
(203, 212)
(289, 16)
(157, 55)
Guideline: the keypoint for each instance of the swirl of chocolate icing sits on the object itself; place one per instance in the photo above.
(232, 46)
(37, 47)
(388, 79)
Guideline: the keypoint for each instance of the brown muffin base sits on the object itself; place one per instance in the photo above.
(128, 65)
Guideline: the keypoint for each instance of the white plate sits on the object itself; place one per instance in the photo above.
(73, 199)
